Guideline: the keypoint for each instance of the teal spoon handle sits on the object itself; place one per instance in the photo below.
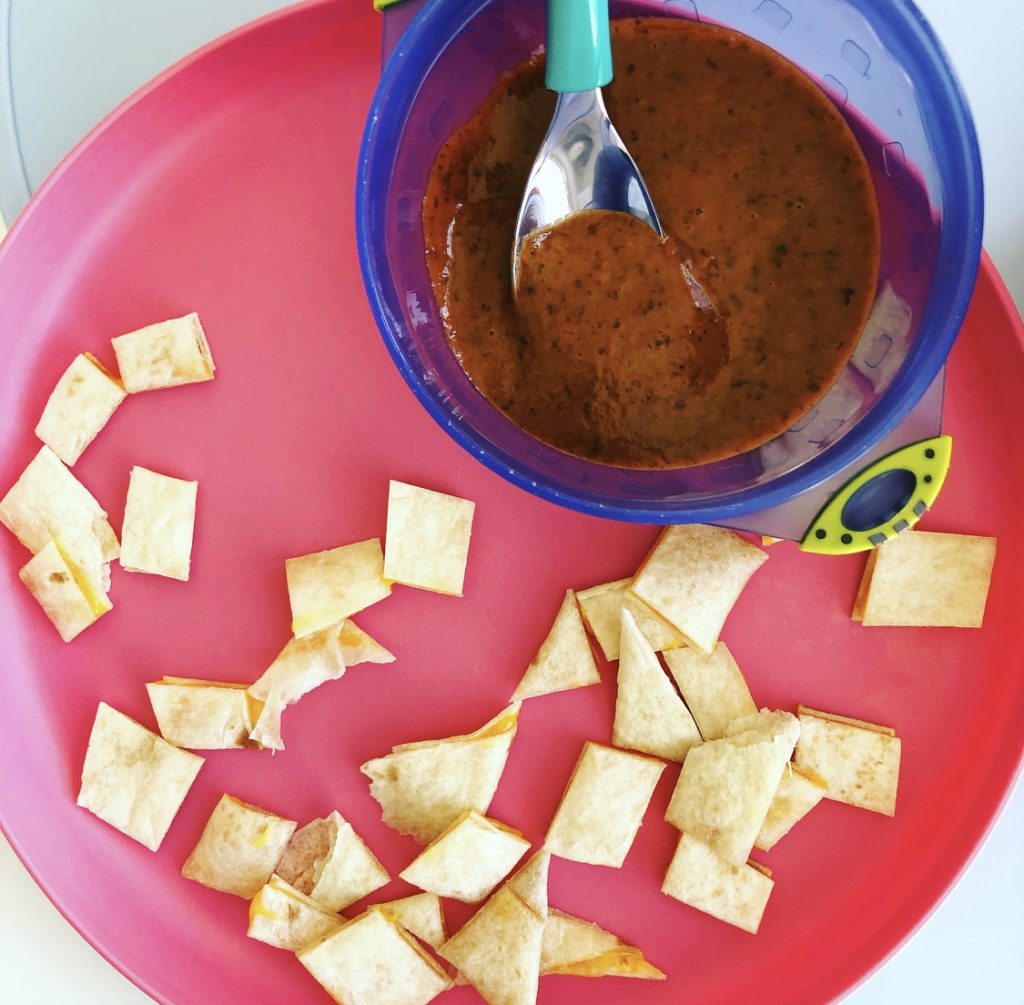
(579, 49)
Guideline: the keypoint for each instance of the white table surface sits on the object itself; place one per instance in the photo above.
(972, 948)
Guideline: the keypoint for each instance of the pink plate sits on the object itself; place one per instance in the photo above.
(226, 187)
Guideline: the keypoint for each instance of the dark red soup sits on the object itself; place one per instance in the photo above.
(762, 191)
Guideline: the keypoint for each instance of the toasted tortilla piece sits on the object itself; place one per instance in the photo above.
(726, 786)
(736, 894)
(713, 687)
(326, 587)
(467, 860)
(798, 793)
(65, 597)
(602, 606)
(498, 950)
(583, 949)
(281, 916)
(423, 787)
(372, 961)
(565, 660)
(303, 664)
(133, 779)
(330, 862)
(165, 354)
(649, 715)
(159, 519)
(603, 805)
(693, 576)
(865, 583)
(48, 502)
(928, 580)
(239, 848)
(859, 761)
(358, 646)
(81, 404)
(203, 714)
(427, 538)
(420, 915)
(530, 882)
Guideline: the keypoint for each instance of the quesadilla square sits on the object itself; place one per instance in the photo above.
(565, 660)
(423, 787)
(81, 404)
(530, 882)
(735, 894)
(583, 949)
(281, 916)
(602, 606)
(159, 519)
(649, 715)
(927, 580)
(239, 848)
(327, 586)
(726, 786)
(133, 779)
(372, 961)
(713, 687)
(693, 576)
(68, 600)
(859, 761)
(498, 950)
(358, 646)
(798, 793)
(603, 805)
(331, 863)
(203, 714)
(468, 860)
(165, 354)
(420, 915)
(427, 543)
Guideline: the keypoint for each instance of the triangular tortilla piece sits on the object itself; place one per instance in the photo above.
(303, 664)
(372, 961)
(66, 598)
(602, 606)
(159, 523)
(798, 793)
(603, 805)
(423, 787)
(736, 894)
(649, 715)
(239, 848)
(583, 949)
(929, 580)
(713, 687)
(166, 354)
(421, 915)
(530, 882)
(693, 576)
(81, 404)
(281, 916)
(498, 950)
(467, 860)
(726, 786)
(203, 714)
(358, 646)
(565, 660)
(427, 542)
(133, 779)
(859, 761)
(328, 586)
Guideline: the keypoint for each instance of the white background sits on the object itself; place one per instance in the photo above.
(972, 948)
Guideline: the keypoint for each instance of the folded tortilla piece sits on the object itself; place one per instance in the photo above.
(583, 949)
(239, 848)
(798, 793)
(735, 894)
(133, 779)
(423, 787)
(530, 882)
(66, 597)
(281, 916)
(713, 687)
(602, 606)
(159, 522)
(358, 646)
(421, 915)
(165, 354)
(204, 714)
(372, 961)
(81, 404)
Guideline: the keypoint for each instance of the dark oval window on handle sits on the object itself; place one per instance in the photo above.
(879, 500)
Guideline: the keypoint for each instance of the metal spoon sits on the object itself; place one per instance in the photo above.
(582, 163)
